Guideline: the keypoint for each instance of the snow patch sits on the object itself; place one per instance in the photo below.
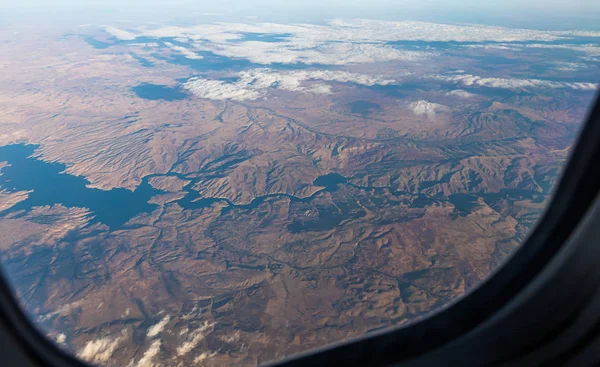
(424, 107)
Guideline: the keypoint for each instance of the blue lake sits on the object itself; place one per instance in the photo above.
(330, 181)
(264, 37)
(157, 91)
(363, 108)
(97, 44)
(446, 45)
(111, 207)
(144, 62)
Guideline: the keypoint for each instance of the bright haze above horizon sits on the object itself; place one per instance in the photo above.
(536, 14)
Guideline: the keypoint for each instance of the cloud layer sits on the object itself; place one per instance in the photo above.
(318, 53)
(338, 42)
(351, 42)
(254, 84)
(513, 83)
(359, 30)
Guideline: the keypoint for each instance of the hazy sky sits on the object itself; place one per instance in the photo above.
(538, 13)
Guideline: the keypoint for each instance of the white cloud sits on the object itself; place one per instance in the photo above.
(315, 53)
(569, 66)
(589, 49)
(61, 338)
(156, 329)
(460, 93)
(430, 109)
(513, 83)
(254, 84)
(120, 34)
(194, 338)
(494, 47)
(188, 54)
(424, 31)
(209, 32)
(147, 359)
(203, 356)
(341, 42)
(344, 77)
(99, 350)
(363, 30)
(219, 90)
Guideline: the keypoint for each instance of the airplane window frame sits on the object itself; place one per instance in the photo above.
(560, 245)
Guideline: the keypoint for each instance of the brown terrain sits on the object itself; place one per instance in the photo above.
(279, 224)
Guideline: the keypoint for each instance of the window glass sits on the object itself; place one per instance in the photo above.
(230, 184)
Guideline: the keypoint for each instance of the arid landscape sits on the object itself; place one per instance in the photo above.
(232, 194)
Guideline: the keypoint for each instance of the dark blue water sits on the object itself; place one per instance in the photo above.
(144, 62)
(493, 62)
(264, 37)
(363, 108)
(193, 201)
(214, 62)
(403, 90)
(209, 62)
(422, 201)
(330, 181)
(463, 203)
(446, 45)
(117, 206)
(513, 195)
(97, 44)
(111, 207)
(230, 79)
(157, 91)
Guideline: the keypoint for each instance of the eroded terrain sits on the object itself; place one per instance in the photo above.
(178, 196)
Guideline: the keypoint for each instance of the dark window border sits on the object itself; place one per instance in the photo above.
(537, 304)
